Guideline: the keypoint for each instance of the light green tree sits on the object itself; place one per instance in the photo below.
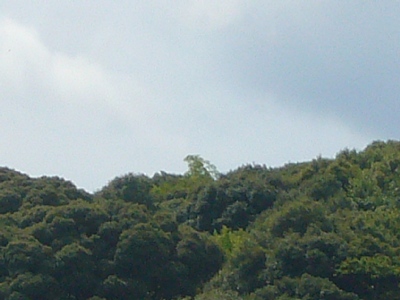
(200, 167)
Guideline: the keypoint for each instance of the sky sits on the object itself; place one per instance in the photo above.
(91, 90)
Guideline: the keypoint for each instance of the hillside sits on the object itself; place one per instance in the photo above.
(328, 229)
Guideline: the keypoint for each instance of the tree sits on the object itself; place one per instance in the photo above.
(10, 201)
(199, 255)
(143, 254)
(27, 255)
(76, 271)
(130, 188)
(35, 287)
(199, 167)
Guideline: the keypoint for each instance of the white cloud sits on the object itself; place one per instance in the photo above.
(16, 62)
(28, 65)
(75, 116)
(208, 14)
(57, 109)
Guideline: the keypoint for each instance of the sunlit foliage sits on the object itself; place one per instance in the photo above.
(325, 229)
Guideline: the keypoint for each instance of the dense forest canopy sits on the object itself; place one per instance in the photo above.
(328, 229)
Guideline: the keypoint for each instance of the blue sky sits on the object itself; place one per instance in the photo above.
(91, 90)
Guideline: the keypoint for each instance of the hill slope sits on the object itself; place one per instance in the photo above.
(325, 229)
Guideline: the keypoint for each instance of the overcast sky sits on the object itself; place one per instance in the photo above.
(91, 90)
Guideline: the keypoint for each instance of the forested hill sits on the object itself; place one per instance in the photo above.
(328, 229)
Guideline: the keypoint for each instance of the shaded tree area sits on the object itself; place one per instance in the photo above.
(325, 229)
(59, 242)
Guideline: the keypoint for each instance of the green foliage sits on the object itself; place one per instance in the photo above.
(201, 257)
(10, 201)
(325, 229)
(218, 294)
(76, 271)
(168, 187)
(32, 286)
(312, 288)
(199, 167)
(297, 217)
(129, 188)
(233, 201)
(26, 255)
(141, 250)
(230, 241)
